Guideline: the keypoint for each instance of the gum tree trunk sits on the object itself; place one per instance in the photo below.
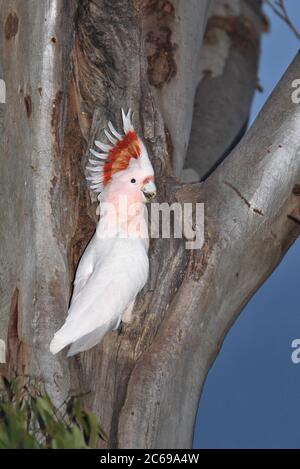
(68, 67)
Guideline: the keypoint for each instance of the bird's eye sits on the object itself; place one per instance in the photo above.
(133, 181)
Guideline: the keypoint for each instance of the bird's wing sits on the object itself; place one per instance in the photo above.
(85, 268)
(111, 287)
(87, 341)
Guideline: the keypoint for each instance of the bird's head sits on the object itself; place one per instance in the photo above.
(123, 166)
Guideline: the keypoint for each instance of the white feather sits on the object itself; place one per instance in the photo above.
(103, 146)
(92, 169)
(113, 131)
(102, 156)
(108, 266)
(95, 162)
(127, 124)
(112, 270)
(110, 138)
(96, 187)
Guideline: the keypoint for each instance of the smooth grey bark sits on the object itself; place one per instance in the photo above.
(228, 74)
(143, 384)
(34, 290)
(173, 37)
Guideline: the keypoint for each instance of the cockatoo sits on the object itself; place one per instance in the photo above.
(115, 265)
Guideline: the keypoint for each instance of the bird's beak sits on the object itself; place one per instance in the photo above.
(149, 191)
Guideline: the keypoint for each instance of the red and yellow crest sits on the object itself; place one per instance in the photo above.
(115, 157)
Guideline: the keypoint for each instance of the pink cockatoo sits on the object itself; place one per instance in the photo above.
(115, 265)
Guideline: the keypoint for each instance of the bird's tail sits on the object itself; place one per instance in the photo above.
(88, 341)
(57, 344)
(80, 344)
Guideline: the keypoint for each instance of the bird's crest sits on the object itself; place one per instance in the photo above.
(115, 157)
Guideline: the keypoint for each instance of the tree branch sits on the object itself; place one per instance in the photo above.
(280, 10)
(144, 382)
(241, 250)
(173, 36)
(33, 255)
(228, 79)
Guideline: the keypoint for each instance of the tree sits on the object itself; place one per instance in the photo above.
(68, 67)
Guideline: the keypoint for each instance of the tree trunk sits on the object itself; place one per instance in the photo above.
(82, 62)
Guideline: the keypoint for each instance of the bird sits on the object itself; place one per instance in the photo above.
(115, 265)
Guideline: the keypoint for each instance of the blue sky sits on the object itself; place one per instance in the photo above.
(251, 398)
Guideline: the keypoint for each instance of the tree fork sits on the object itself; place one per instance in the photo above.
(142, 383)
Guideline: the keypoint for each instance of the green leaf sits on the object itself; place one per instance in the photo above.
(29, 419)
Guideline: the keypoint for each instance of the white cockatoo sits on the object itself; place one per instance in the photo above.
(114, 266)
